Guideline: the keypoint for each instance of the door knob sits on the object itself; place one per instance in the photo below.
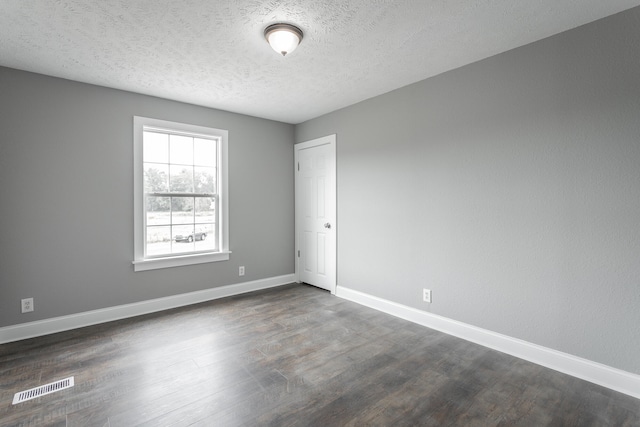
(327, 225)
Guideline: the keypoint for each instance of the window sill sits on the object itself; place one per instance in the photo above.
(178, 261)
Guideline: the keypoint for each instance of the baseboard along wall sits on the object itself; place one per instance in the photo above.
(606, 376)
(64, 323)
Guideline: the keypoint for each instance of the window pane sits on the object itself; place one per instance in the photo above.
(158, 210)
(205, 238)
(181, 179)
(204, 152)
(205, 180)
(181, 150)
(205, 210)
(156, 178)
(182, 210)
(158, 240)
(183, 238)
(155, 147)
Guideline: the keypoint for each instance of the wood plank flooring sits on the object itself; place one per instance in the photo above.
(289, 356)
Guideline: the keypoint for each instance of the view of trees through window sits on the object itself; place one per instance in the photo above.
(180, 193)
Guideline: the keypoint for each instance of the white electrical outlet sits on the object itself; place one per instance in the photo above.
(241, 271)
(426, 295)
(27, 305)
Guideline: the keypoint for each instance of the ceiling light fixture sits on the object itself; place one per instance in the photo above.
(283, 38)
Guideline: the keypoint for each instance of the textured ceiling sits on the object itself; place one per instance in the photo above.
(213, 53)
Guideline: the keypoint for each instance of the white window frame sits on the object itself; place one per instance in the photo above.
(141, 263)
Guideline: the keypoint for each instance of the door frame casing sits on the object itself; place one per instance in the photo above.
(325, 140)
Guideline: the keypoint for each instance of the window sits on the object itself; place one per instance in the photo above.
(180, 190)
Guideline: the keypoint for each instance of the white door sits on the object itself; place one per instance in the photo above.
(316, 212)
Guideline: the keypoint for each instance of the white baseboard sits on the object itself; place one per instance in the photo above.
(606, 376)
(88, 318)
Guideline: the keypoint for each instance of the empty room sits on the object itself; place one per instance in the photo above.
(319, 213)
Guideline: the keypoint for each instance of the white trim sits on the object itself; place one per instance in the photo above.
(140, 262)
(88, 318)
(178, 261)
(606, 376)
(324, 140)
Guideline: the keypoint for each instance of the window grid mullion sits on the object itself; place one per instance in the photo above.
(198, 195)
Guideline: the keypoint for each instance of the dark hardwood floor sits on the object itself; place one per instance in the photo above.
(289, 356)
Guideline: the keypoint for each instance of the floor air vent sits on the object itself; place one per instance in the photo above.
(23, 396)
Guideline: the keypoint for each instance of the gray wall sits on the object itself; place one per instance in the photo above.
(66, 198)
(510, 187)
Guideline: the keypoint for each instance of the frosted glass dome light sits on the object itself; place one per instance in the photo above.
(283, 38)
